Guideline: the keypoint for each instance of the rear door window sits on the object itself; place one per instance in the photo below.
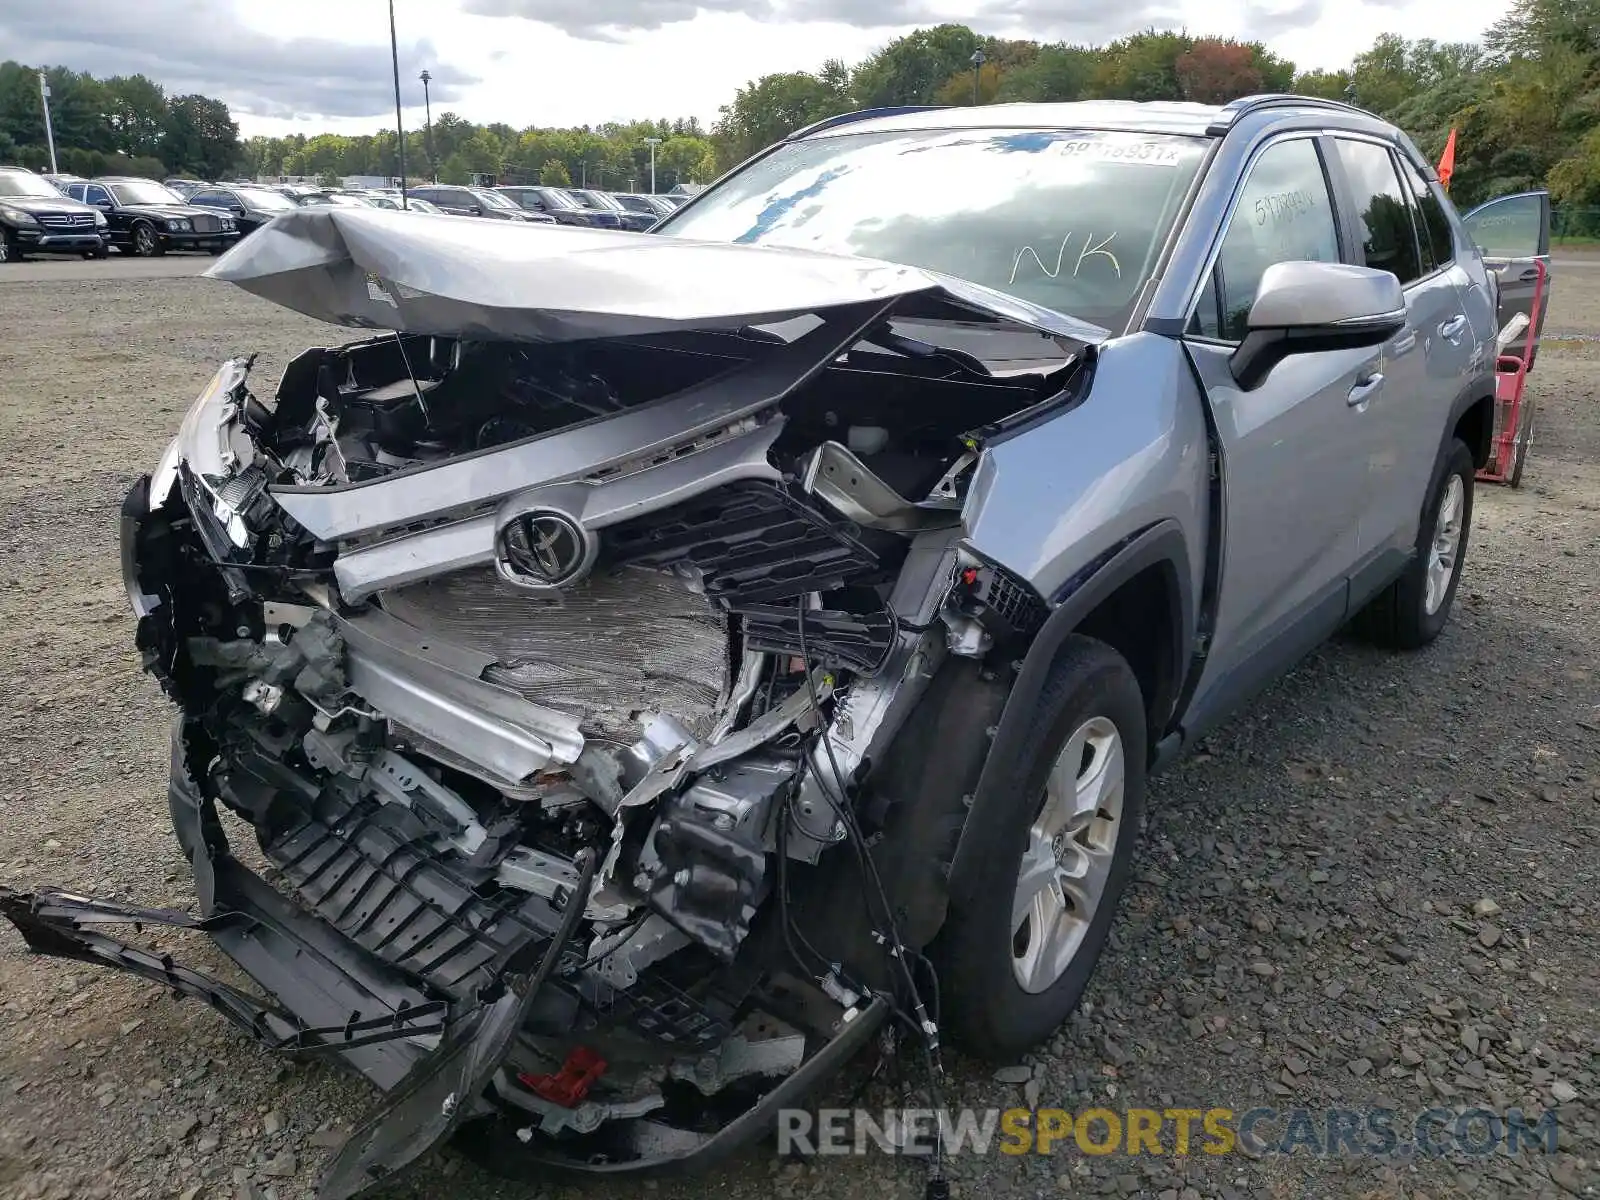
(1389, 240)
(1434, 236)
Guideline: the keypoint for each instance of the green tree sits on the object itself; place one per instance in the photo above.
(135, 109)
(554, 174)
(913, 69)
(200, 136)
(1057, 72)
(1141, 67)
(773, 107)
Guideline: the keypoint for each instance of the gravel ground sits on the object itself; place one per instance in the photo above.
(1378, 886)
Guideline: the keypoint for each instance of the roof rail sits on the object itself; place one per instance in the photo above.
(1235, 109)
(866, 114)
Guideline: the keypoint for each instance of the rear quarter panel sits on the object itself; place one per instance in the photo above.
(1053, 497)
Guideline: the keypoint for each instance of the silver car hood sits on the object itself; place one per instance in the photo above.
(419, 273)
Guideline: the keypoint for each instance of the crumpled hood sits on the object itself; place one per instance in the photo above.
(420, 273)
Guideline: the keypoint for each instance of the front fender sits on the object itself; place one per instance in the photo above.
(1054, 496)
(997, 803)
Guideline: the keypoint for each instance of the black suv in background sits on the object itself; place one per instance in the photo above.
(559, 204)
(476, 202)
(148, 218)
(597, 201)
(36, 218)
(250, 207)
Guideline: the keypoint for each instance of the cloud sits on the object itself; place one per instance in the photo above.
(203, 46)
(613, 20)
(1090, 21)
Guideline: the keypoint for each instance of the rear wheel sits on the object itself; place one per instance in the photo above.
(1415, 608)
(1018, 956)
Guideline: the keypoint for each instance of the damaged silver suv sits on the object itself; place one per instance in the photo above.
(651, 667)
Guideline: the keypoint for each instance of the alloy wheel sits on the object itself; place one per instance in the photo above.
(1067, 860)
(1446, 545)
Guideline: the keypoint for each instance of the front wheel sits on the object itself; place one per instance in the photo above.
(9, 251)
(145, 242)
(1414, 609)
(1018, 956)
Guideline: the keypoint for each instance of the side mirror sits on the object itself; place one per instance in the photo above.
(1308, 307)
(103, 205)
(236, 209)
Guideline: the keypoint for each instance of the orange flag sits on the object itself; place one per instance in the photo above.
(1447, 161)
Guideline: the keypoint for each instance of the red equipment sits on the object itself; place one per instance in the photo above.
(1513, 416)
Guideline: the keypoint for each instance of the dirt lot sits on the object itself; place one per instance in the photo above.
(1377, 887)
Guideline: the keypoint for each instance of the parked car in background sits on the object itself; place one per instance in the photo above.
(478, 202)
(37, 218)
(250, 207)
(559, 205)
(604, 202)
(335, 200)
(652, 206)
(414, 203)
(148, 218)
(185, 187)
(60, 181)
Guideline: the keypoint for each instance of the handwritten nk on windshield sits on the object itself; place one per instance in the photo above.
(1093, 247)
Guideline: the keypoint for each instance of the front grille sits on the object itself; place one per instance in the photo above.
(207, 224)
(67, 220)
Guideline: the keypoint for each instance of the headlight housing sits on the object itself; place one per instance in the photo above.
(227, 223)
(99, 219)
(178, 225)
(16, 216)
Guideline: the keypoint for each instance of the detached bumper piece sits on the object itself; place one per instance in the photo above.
(65, 926)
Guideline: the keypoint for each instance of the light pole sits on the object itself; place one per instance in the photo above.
(399, 124)
(49, 132)
(977, 70)
(427, 134)
(652, 142)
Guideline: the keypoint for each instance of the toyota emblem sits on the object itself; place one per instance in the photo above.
(545, 549)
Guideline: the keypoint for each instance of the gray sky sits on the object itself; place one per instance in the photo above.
(315, 65)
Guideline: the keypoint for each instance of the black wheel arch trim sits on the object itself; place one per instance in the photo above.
(1160, 545)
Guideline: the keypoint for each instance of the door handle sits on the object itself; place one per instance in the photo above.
(1529, 274)
(1365, 390)
(1452, 329)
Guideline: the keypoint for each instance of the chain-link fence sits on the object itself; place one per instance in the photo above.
(1575, 223)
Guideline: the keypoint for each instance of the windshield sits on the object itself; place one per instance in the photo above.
(266, 201)
(145, 191)
(1072, 220)
(556, 198)
(492, 199)
(19, 183)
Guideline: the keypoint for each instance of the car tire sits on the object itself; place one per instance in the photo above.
(1415, 608)
(1008, 981)
(100, 253)
(10, 252)
(1524, 441)
(146, 242)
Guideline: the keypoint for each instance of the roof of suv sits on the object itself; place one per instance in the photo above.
(1162, 117)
